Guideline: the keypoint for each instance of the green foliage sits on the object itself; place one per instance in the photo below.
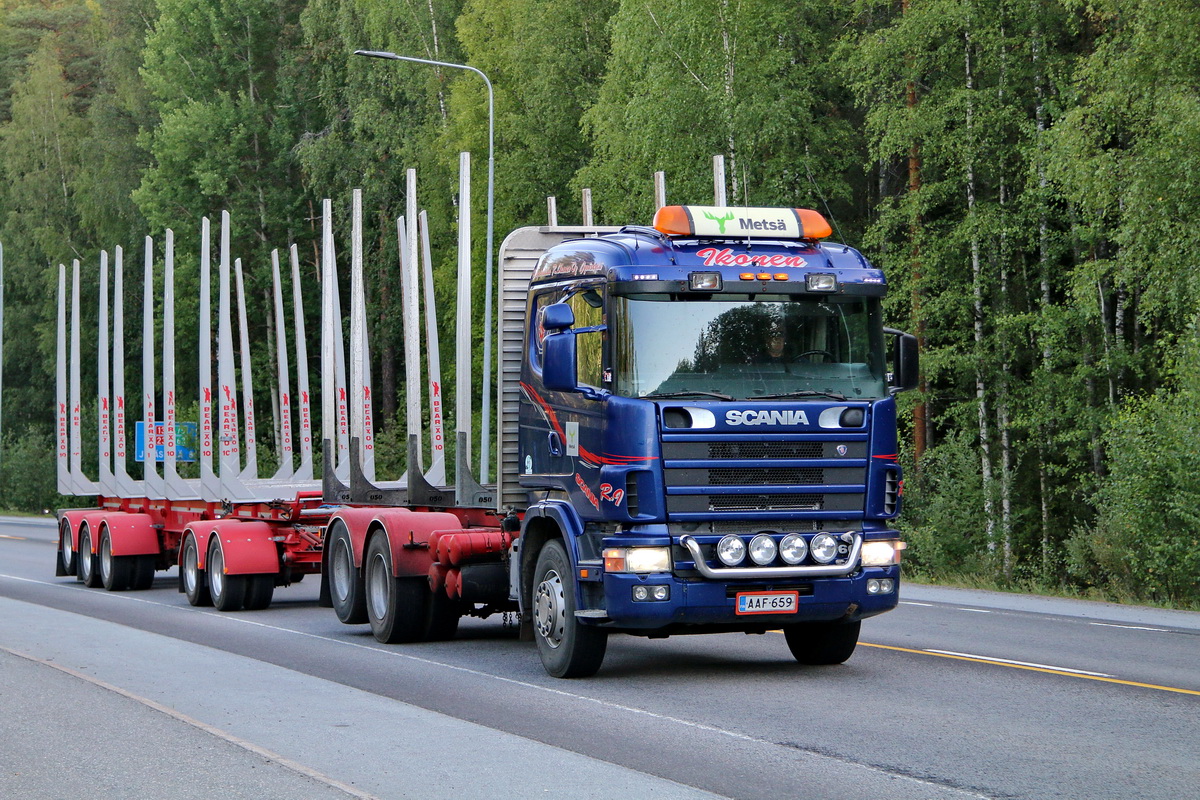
(1146, 540)
(689, 81)
(28, 480)
(943, 520)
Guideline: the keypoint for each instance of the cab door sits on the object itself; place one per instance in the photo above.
(561, 431)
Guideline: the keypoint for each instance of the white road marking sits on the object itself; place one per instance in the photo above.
(1020, 663)
(1129, 627)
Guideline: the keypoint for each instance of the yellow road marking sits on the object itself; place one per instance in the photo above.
(1035, 669)
(16, 538)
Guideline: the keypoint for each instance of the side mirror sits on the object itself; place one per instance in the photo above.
(559, 359)
(557, 317)
(907, 368)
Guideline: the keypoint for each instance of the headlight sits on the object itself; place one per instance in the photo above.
(824, 548)
(881, 554)
(762, 549)
(637, 559)
(793, 548)
(731, 550)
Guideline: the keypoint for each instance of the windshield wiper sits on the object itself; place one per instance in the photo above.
(800, 393)
(694, 393)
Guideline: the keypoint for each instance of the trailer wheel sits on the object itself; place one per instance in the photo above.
(568, 649)
(442, 616)
(395, 606)
(87, 572)
(259, 591)
(346, 587)
(143, 573)
(194, 584)
(66, 550)
(818, 643)
(116, 572)
(228, 591)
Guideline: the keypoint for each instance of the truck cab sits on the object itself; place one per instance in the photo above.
(707, 429)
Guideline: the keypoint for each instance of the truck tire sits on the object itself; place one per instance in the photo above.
(442, 616)
(115, 571)
(228, 591)
(66, 550)
(568, 649)
(346, 588)
(142, 577)
(195, 584)
(396, 607)
(818, 643)
(87, 572)
(259, 591)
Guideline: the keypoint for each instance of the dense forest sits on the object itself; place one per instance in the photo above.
(1026, 171)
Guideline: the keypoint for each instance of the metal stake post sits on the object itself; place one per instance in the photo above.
(485, 433)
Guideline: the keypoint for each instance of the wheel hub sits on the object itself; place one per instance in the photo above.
(550, 615)
(190, 578)
(341, 571)
(216, 572)
(377, 587)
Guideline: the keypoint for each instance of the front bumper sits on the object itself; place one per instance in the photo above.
(703, 602)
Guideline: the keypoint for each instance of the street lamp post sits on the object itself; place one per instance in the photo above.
(485, 433)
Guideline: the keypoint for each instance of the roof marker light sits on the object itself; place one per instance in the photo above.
(725, 222)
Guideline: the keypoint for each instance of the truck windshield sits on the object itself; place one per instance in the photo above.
(747, 348)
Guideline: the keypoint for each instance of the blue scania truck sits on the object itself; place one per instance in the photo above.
(696, 430)
(698, 427)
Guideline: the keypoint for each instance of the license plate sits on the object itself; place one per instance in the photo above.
(767, 603)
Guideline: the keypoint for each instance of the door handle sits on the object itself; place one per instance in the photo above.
(554, 442)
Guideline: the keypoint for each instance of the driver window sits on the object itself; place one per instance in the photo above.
(588, 306)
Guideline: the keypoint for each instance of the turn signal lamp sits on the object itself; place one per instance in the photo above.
(741, 222)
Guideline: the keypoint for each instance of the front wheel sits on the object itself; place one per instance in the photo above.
(568, 649)
(396, 607)
(819, 643)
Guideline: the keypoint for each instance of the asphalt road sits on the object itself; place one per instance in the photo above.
(955, 694)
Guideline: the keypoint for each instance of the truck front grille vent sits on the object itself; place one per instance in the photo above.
(891, 491)
(766, 502)
(760, 450)
(749, 528)
(766, 476)
(631, 494)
